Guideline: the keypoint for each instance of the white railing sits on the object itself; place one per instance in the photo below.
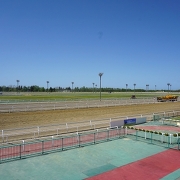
(8, 135)
(57, 105)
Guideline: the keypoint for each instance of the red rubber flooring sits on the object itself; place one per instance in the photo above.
(154, 167)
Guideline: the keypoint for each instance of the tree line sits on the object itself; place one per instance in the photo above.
(36, 88)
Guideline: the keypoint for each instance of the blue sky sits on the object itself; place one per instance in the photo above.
(64, 41)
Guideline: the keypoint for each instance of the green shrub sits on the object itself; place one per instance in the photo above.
(175, 135)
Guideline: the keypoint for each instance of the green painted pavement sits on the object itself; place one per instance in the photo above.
(80, 163)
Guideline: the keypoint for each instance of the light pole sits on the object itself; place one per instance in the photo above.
(100, 75)
(93, 87)
(17, 84)
(168, 86)
(134, 87)
(126, 87)
(47, 85)
(155, 87)
(72, 86)
(147, 87)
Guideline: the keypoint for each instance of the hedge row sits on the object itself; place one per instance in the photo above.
(155, 132)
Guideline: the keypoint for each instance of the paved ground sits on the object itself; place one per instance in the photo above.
(89, 161)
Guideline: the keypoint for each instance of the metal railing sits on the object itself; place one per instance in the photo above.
(57, 143)
(52, 144)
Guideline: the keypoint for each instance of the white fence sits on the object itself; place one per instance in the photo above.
(21, 106)
(8, 135)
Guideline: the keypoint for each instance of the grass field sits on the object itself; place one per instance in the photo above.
(44, 96)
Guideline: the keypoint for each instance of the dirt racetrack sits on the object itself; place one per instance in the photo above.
(39, 118)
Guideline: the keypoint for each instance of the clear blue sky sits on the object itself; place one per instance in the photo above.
(64, 41)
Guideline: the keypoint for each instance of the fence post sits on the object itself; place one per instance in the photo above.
(94, 137)
(52, 140)
(107, 134)
(79, 140)
(151, 137)
(62, 144)
(20, 151)
(119, 132)
(23, 145)
(38, 130)
(2, 135)
(170, 136)
(126, 131)
(91, 124)
(162, 139)
(136, 134)
(67, 127)
(42, 146)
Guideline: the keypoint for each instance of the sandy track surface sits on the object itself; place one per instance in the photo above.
(39, 118)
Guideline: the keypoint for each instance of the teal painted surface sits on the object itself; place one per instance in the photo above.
(173, 176)
(98, 170)
(79, 163)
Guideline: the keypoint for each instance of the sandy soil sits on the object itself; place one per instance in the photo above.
(39, 118)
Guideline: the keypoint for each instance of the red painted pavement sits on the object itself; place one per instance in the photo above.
(154, 167)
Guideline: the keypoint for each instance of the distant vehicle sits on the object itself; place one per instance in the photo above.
(133, 97)
(168, 97)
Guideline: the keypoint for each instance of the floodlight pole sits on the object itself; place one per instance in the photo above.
(72, 86)
(93, 87)
(168, 86)
(147, 87)
(126, 87)
(134, 87)
(100, 75)
(47, 85)
(17, 84)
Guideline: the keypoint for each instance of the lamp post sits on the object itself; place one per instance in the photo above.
(134, 87)
(47, 85)
(93, 87)
(17, 84)
(100, 75)
(168, 86)
(126, 87)
(72, 86)
(147, 87)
